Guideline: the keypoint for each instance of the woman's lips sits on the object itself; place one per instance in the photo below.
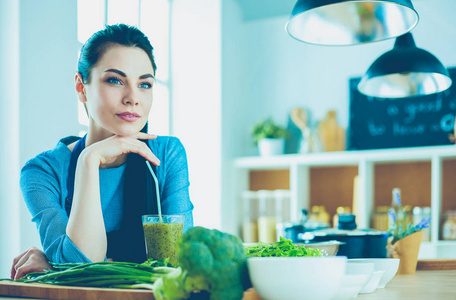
(128, 116)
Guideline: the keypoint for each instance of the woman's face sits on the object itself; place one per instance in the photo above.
(119, 94)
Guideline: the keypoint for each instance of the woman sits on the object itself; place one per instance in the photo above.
(87, 196)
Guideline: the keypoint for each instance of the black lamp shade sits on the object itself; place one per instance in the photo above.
(350, 22)
(405, 71)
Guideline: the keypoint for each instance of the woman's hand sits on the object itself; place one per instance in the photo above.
(107, 151)
(31, 260)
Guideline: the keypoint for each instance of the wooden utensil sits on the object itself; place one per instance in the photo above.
(299, 117)
(332, 136)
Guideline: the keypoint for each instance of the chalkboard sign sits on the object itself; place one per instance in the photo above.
(406, 122)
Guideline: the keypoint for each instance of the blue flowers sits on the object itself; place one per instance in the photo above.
(392, 215)
(424, 223)
(396, 197)
(399, 227)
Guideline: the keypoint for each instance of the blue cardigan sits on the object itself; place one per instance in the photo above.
(43, 184)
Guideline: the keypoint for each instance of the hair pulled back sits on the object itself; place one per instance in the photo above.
(99, 42)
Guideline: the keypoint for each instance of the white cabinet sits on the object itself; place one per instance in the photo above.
(368, 165)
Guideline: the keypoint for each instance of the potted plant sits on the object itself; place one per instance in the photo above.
(404, 238)
(269, 137)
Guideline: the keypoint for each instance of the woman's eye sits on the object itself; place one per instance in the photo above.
(114, 80)
(145, 85)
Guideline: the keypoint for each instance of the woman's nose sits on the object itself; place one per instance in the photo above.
(130, 98)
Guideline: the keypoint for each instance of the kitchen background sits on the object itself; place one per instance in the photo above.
(231, 64)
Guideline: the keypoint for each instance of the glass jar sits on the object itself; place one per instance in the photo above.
(267, 220)
(420, 213)
(319, 214)
(283, 211)
(250, 217)
(449, 226)
(380, 219)
(408, 210)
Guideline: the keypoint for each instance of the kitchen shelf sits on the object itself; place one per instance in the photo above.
(367, 164)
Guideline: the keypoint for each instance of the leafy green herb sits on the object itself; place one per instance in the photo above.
(268, 129)
(282, 248)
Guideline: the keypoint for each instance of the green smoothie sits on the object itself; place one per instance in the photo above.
(161, 240)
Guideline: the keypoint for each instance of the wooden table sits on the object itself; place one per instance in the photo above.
(428, 285)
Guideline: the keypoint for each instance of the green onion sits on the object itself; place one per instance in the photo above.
(102, 274)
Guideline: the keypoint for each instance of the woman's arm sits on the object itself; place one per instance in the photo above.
(43, 185)
(86, 227)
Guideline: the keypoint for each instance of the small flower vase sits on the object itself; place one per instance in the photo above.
(406, 249)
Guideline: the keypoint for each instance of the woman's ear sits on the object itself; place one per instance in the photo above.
(80, 89)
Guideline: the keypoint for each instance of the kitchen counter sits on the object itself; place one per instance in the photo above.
(422, 285)
(427, 285)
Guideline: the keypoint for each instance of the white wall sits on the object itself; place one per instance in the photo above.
(38, 61)
(48, 105)
(196, 88)
(280, 73)
(9, 131)
(235, 116)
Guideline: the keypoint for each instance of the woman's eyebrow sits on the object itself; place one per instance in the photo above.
(116, 71)
(148, 75)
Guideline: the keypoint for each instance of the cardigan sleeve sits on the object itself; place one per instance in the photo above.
(39, 183)
(174, 184)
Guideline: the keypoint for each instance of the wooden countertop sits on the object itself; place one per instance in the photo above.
(428, 285)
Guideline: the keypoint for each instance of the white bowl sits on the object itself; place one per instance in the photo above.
(355, 278)
(295, 278)
(389, 265)
(330, 247)
(351, 286)
(372, 283)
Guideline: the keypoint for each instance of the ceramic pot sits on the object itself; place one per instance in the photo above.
(268, 147)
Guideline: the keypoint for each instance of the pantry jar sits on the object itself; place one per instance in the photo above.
(283, 211)
(420, 213)
(267, 220)
(250, 217)
(380, 220)
(449, 226)
(319, 214)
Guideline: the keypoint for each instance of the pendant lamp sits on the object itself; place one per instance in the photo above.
(350, 22)
(405, 71)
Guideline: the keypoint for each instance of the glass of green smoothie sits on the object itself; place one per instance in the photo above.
(161, 234)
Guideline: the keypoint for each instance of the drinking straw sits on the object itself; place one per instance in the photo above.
(156, 190)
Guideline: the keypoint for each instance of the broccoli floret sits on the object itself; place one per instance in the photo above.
(209, 261)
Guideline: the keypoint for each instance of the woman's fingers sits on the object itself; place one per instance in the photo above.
(146, 136)
(31, 260)
(141, 148)
(18, 261)
(107, 151)
(23, 270)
